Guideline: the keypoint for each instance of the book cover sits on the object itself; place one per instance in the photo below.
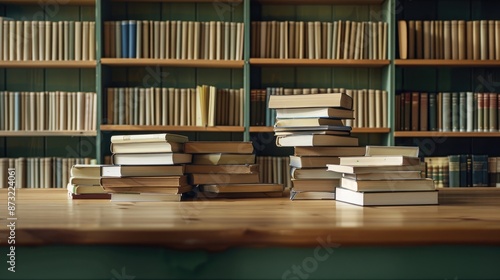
(386, 198)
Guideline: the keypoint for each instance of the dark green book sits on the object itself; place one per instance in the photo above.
(455, 122)
(463, 171)
(479, 170)
(454, 171)
(432, 112)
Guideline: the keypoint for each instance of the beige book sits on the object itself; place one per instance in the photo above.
(334, 39)
(491, 39)
(138, 40)
(2, 42)
(91, 42)
(173, 36)
(372, 115)
(12, 40)
(447, 39)
(317, 40)
(55, 38)
(382, 40)
(164, 39)
(454, 39)
(85, 40)
(411, 40)
(19, 40)
(432, 40)
(78, 41)
(219, 40)
(191, 39)
(419, 34)
(462, 52)
(285, 40)
(310, 40)
(63, 40)
(483, 30)
(347, 33)
(145, 40)
(497, 43)
(469, 39)
(403, 39)
(358, 50)
(360, 112)
(301, 40)
(352, 39)
(212, 40)
(27, 40)
(48, 40)
(427, 39)
(6, 37)
(156, 39)
(375, 41)
(476, 40)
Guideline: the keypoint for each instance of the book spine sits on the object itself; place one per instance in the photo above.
(454, 171)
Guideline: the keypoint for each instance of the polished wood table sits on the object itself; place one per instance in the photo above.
(47, 218)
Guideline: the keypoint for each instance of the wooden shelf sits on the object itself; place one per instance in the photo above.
(319, 62)
(205, 63)
(444, 134)
(48, 64)
(321, 2)
(180, 1)
(42, 2)
(108, 127)
(354, 130)
(446, 63)
(48, 133)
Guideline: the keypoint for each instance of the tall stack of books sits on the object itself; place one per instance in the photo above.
(384, 176)
(85, 182)
(313, 124)
(147, 167)
(227, 169)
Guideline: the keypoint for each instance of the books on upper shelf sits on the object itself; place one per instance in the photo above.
(151, 159)
(338, 100)
(206, 147)
(141, 170)
(316, 140)
(387, 198)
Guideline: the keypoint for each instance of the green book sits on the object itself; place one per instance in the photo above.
(479, 170)
(455, 122)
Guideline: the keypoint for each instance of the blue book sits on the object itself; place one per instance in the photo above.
(132, 38)
(125, 34)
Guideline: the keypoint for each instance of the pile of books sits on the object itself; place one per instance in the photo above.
(384, 176)
(227, 169)
(85, 182)
(147, 167)
(313, 124)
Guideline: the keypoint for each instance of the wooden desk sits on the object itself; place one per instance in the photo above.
(272, 229)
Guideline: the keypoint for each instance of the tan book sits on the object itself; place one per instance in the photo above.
(491, 39)
(374, 169)
(341, 100)
(371, 108)
(476, 40)
(223, 158)
(462, 51)
(151, 159)
(204, 147)
(426, 28)
(84, 189)
(484, 39)
(221, 178)
(454, 40)
(346, 36)
(447, 40)
(497, 40)
(379, 160)
(148, 138)
(384, 175)
(419, 36)
(329, 151)
(228, 169)
(146, 147)
(149, 190)
(408, 151)
(411, 39)
(312, 161)
(469, 39)
(242, 188)
(386, 198)
(315, 185)
(141, 170)
(387, 185)
(211, 195)
(313, 173)
(163, 181)
(403, 39)
(315, 140)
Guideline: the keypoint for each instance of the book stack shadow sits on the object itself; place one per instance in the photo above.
(314, 125)
(227, 169)
(147, 167)
(384, 176)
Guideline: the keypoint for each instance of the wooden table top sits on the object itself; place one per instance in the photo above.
(46, 216)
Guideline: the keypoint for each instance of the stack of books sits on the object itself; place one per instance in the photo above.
(85, 182)
(384, 176)
(227, 169)
(147, 167)
(314, 121)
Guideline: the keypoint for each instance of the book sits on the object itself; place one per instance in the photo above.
(403, 39)
(151, 159)
(315, 185)
(222, 159)
(230, 168)
(319, 112)
(327, 129)
(205, 147)
(408, 151)
(312, 161)
(339, 100)
(386, 198)
(144, 197)
(221, 178)
(84, 189)
(146, 147)
(384, 175)
(86, 171)
(141, 138)
(313, 173)
(296, 195)
(371, 169)
(315, 140)
(379, 161)
(309, 122)
(141, 170)
(242, 188)
(163, 181)
(147, 189)
(329, 151)
(387, 185)
(90, 196)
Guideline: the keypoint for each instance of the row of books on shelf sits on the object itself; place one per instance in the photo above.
(319, 40)
(200, 106)
(464, 170)
(214, 40)
(447, 111)
(449, 39)
(52, 110)
(47, 40)
(39, 172)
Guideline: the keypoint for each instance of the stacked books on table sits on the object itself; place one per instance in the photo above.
(147, 167)
(384, 178)
(314, 125)
(85, 182)
(227, 169)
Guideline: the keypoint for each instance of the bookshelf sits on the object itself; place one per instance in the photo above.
(44, 132)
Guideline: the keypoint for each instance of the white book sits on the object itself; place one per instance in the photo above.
(92, 45)
(63, 44)
(12, 40)
(41, 40)
(178, 40)
(48, 40)
(190, 40)
(27, 41)
(196, 40)
(138, 41)
(470, 111)
(85, 40)
(55, 37)
(227, 39)
(386, 198)
(78, 41)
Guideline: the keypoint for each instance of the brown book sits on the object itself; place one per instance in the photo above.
(221, 178)
(141, 170)
(462, 48)
(427, 38)
(379, 161)
(91, 196)
(329, 151)
(469, 35)
(211, 195)
(419, 35)
(491, 39)
(484, 39)
(407, 111)
(411, 39)
(447, 39)
(222, 159)
(424, 111)
(315, 185)
(312, 161)
(341, 100)
(164, 181)
(415, 111)
(476, 40)
(454, 39)
(144, 197)
(205, 147)
(146, 189)
(242, 188)
(230, 168)
(497, 40)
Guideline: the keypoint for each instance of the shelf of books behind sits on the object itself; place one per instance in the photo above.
(48, 96)
(449, 107)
